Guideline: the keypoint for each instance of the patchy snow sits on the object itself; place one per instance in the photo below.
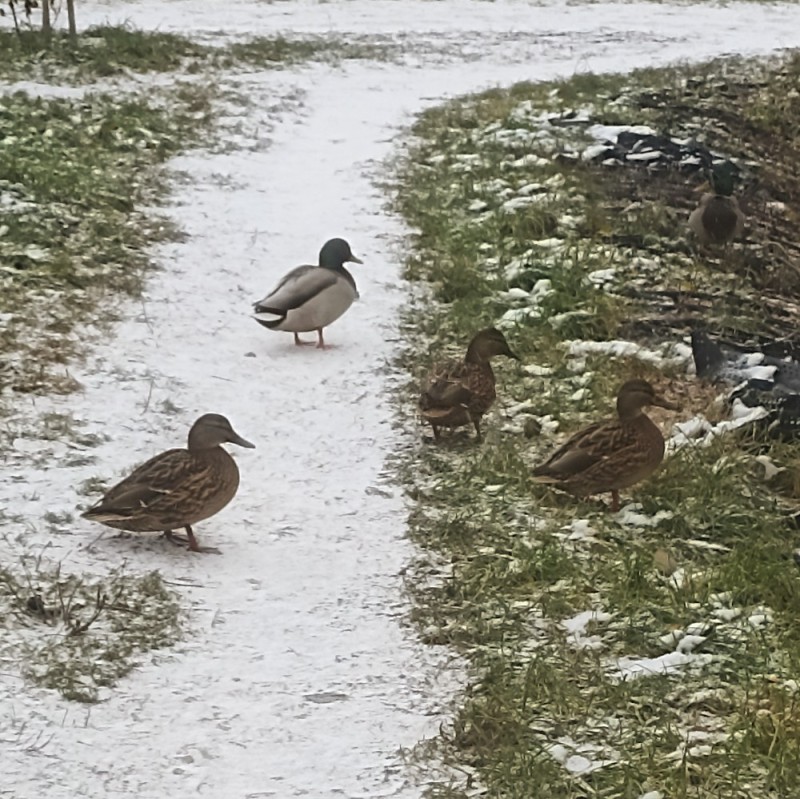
(299, 678)
(542, 289)
(631, 668)
(698, 431)
(575, 628)
(631, 516)
(573, 756)
(668, 354)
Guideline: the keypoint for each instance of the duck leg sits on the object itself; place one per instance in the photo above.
(298, 342)
(321, 342)
(614, 500)
(188, 539)
(476, 421)
(173, 538)
(194, 546)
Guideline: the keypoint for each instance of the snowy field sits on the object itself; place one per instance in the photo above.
(299, 679)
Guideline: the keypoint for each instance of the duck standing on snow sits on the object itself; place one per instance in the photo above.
(177, 488)
(611, 454)
(456, 393)
(311, 297)
(718, 219)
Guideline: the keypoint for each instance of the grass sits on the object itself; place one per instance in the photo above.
(704, 574)
(75, 174)
(99, 51)
(80, 635)
(105, 51)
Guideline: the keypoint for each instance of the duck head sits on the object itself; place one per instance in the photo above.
(634, 395)
(213, 429)
(722, 177)
(487, 343)
(336, 252)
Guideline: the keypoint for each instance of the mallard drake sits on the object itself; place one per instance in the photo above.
(611, 454)
(177, 488)
(718, 219)
(311, 297)
(456, 393)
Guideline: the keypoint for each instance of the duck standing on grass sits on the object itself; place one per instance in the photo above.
(311, 297)
(611, 454)
(718, 219)
(177, 488)
(456, 393)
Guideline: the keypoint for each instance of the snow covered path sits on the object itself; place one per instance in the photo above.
(299, 679)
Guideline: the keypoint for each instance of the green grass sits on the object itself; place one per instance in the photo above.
(80, 635)
(75, 173)
(507, 561)
(98, 52)
(271, 51)
(105, 51)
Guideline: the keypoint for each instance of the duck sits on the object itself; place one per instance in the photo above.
(767, 378)
(311, 297)
(611, 454)
(718, 219)
(457, 393)
(176, 488)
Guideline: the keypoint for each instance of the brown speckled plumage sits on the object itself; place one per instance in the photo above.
(457, 393)
(717, 220)
(177, 488)
(613, 454)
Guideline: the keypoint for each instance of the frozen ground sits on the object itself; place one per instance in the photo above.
(299, 679)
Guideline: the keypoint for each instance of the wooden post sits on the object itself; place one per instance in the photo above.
(46, 28)
(16, 21)
(73, 31)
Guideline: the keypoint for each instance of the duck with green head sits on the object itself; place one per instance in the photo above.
(311, 297)
(177, 488)
(718, 219)
(457, 393)
(611, 454)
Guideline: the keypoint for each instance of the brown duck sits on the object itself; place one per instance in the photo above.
(718, 219)
(177, 488)
(611, 454)
(457, 393)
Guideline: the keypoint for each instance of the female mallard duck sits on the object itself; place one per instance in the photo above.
(456, 393)
(311, 297)
(177, 488)
(612, 454)
(718, 219)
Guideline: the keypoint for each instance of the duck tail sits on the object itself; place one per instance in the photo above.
(268, 317)
(101, 514)
(543, 474)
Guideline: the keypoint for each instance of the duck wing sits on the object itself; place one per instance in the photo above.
(161, 480)
(446, 386)
(593, 444)
(295, 289)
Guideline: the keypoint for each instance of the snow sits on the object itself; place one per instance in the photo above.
(631, 516)
(670, 354)
(631, 668)
(698, 431)
(575, 628)
(573, 757)
(298, 678)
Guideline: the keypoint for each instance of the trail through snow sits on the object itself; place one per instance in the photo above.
(299, 678)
